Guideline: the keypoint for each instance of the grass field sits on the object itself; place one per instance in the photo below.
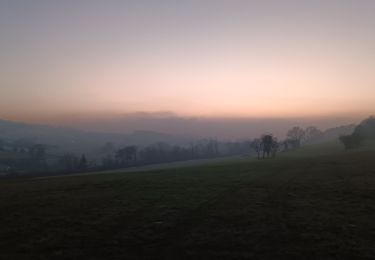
(316, 203)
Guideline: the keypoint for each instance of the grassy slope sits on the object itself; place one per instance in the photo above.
(311, 204)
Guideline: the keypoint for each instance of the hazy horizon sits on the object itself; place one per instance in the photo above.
(225, 128)
(64, 61)
(187, 129)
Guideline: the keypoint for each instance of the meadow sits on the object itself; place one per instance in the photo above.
(317, 202)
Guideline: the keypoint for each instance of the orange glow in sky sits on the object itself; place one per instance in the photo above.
(236, 60)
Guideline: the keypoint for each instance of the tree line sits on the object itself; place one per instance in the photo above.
(365, 131)
(27, 157)
(35, 158)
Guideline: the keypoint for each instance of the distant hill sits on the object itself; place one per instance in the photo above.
(81, 141)
(334, 133)
(367, 128)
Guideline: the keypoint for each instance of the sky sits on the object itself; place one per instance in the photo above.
(74, 60)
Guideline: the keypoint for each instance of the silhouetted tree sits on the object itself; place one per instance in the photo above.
(312, 133)
(364, 131)
(69, 163)
(21, 145)
(267, 141)
(296, 134)
(108, 161)
(82, 163)
(366, 128)
(257, 146)
(125, 155)
(351, 141)
(108, 149)
(275, 147)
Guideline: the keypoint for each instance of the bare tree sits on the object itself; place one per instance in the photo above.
(257, 146)
(125, 155)
(296, 134)
(312, 133)
(82, 165)
(267, 141)
(275, 147)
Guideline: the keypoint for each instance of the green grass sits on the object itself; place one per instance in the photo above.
(309, 204)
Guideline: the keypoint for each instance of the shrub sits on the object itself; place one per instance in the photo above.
(351, 141)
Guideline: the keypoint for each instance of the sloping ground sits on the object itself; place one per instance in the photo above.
(166, 166)
(320, 207)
